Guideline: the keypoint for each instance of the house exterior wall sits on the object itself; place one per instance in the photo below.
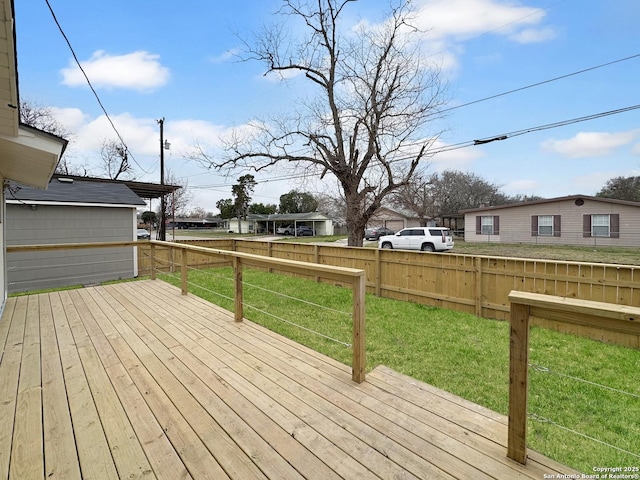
(516, 224)
(52, 224)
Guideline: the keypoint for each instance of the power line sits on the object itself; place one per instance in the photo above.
(95, 94)
(561, 77)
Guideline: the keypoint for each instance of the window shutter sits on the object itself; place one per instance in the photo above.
(478, 225)
(534, 225)
(586, 226)
(556, 225)
(496, 225)
(614, 225)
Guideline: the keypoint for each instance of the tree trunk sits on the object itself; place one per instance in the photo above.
(356, 222)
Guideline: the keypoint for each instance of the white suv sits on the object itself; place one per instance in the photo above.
(427, 239)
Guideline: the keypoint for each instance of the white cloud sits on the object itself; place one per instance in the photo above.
(591, 183)
(460, 159)
(139, 70)
(225, 56)
(532, 35)
(71, 118)
(590, 144)
(524, 187)
(467, 18)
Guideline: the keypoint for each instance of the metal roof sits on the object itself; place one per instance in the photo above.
(144, 190)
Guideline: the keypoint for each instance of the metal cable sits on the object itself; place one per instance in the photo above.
(538, 418)
(543, 369)
(275, 316)
(298, 299)
(210, 291)
(299, 326)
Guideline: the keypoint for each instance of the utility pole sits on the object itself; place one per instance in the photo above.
(162, 231)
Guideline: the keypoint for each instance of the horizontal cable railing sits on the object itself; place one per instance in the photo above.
(353, 278)
(178, 261)
(524, 305)
(200, 286)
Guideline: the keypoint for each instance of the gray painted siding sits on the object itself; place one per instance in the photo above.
(515, 224)
(67, 224)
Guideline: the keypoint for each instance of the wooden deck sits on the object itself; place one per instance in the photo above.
(136, 381)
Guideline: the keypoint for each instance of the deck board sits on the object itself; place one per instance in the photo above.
(134, 380)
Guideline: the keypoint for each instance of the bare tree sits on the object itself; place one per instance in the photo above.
(452, 191)
(365, 125)
(43, 119)
(417, 198)
(176, 203)
(115, 160)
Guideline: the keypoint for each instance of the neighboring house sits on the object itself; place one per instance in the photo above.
(70, 211)
(262, 223)
(396, 220)
(570, 220)
(27, 155)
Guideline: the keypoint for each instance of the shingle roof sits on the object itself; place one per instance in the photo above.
(552, 200)
(76, 191)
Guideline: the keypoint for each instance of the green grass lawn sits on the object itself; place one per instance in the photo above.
(465, 355)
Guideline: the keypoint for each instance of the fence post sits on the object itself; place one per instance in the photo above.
(152, 261)
(378, 274)
(478, 284)
(359, 353)
(270, 253)
(237, 283)
(316, 258)
(183, 271)
(518, 382)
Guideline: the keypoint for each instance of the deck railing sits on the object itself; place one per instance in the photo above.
(524, 305)
(353, 278)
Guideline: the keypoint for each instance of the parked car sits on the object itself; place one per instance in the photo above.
(427, 239)
(287, 230)
(304, 231)
(376, 233)
(143, 234)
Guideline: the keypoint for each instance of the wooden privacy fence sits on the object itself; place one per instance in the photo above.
(524, 305)
(474, 284)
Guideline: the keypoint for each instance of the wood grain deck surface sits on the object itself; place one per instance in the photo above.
(134, 380)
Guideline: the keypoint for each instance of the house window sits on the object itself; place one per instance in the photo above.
(487, 226)
(600, 226)
(545, 225)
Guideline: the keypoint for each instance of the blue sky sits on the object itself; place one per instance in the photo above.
(153, 59)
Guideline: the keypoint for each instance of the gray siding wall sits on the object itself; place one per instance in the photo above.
(67, 224)
(515, 224)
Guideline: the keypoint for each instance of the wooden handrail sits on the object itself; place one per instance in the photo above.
(524, 305)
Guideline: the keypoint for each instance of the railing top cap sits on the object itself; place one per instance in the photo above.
(344, 271)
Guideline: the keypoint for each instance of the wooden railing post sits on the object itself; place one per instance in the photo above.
(518, 382)
(237, 283)
(152, 261)
(184, 271)
(359, 353)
